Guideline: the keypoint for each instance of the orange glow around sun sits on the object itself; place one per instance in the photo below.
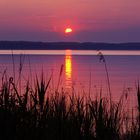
(68, 30)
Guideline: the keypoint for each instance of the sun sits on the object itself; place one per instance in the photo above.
(68, 30)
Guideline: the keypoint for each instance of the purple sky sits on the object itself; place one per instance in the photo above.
(91, 20)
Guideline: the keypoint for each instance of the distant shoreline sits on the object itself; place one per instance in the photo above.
(28, 45)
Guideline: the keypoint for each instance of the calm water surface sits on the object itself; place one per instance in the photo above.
(81, 70)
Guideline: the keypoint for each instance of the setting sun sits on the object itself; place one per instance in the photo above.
(68, 30)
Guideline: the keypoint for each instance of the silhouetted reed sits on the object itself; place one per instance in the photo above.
(102, 59)
(39, 113)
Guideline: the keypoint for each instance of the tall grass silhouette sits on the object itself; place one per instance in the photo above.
(36, 112)
(40, 114)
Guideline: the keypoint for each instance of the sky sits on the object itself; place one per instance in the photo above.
(91, 20)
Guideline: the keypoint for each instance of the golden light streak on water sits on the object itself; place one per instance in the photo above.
(68, 69)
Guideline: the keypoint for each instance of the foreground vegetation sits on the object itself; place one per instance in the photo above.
(39, 113)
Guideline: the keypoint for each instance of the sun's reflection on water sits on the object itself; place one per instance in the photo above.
(68, 69)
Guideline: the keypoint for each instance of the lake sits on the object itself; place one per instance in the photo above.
(82, 71)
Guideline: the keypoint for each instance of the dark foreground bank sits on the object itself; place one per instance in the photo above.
(44, 114)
